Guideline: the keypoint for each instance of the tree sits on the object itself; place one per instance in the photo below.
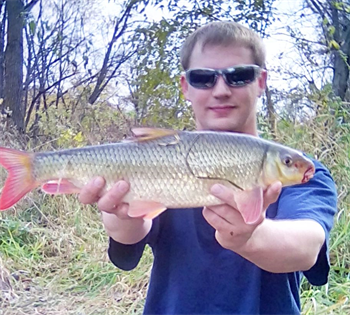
(316, 55)
(13, 59)
(59, 48)
(334, 17)
(14, 63)
(112, 62)
(53, 44)
(2, 46)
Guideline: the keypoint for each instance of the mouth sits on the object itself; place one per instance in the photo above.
(309, 173)
(222, 109)
(222, 106)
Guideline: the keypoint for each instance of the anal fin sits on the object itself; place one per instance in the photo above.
(146, 209)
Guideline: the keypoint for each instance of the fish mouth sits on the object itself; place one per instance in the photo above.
(309, 173)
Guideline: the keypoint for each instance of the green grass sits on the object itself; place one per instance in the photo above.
(57, 263)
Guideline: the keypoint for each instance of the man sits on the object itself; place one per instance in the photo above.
(210, 261)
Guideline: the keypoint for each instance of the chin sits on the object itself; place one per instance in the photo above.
(223, 124)
(223, 127)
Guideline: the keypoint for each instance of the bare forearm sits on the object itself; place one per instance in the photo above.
(284, 246)
(126, 231)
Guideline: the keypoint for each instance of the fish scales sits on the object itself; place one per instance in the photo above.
(237, 159)
(180, 172)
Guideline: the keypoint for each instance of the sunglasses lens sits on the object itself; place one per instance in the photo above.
(240, 76)
(201, 78)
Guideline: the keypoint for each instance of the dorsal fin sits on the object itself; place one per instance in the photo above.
(146, 133)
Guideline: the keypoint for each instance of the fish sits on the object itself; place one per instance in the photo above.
(165, 168)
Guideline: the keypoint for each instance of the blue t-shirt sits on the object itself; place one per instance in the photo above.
(193, 274)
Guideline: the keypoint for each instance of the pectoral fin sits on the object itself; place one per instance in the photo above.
(145, 209)
(250, 204)
(62, 186)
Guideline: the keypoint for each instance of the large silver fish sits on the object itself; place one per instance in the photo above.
(165, 169)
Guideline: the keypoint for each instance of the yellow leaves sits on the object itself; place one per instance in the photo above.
(69, 138)
(333, 44)
(331, 30)
(79, 138)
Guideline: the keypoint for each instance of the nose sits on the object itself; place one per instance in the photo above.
(221, 89)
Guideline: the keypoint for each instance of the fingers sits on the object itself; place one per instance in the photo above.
(225, 194)
(222, 217)
(112, 200)
(230, 235)
(232, 231)
(216, 220)
(91, 192)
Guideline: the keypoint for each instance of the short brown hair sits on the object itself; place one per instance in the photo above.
(224, 34)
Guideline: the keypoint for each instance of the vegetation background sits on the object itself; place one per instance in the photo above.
(78, 72)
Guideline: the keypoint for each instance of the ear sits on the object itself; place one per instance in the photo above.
(262, 82)
(184, 86)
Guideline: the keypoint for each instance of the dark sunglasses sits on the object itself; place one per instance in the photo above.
(203, 78)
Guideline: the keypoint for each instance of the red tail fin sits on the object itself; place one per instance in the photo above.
(19, 181)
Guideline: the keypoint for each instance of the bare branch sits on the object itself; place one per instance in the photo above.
(317, 7)
(30, 5)
(41, 92)
(117, 33)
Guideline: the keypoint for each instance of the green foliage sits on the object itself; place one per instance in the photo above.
(80, 125)
(32, 27)
(19, 241)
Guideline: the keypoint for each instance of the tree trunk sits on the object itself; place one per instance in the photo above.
(271, 114)
(2, 46)
(340, 75)
(342, 55)
(13, 87)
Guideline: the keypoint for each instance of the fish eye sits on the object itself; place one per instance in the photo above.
(287, 160)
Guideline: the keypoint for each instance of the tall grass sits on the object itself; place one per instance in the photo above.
(53, 251)
(327, 138)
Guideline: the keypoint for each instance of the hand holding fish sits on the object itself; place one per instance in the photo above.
(118, 224)
(273, 245)
(232, 232)
(109, 201)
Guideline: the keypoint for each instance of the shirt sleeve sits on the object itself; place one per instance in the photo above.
(315, 200)
(127, 257)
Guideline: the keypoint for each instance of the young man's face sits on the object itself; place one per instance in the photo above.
(223, 107)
